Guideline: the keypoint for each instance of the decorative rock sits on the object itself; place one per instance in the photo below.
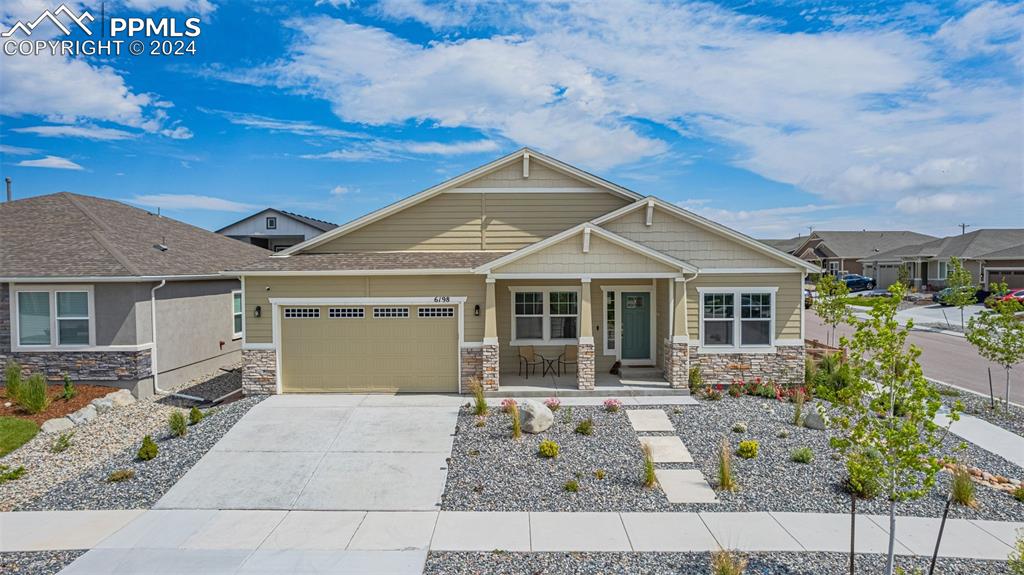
(740, 427)
(7, 404)
(84, 415)
(536, 416)
(102, 404)
(813, 420)
(56, 425)
(782, 433)
(121, 397)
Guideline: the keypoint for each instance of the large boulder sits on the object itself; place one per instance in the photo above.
(57, 425)
(84, 415)
(814, 420)
(102, 404)
(121, 397)
(536, 416)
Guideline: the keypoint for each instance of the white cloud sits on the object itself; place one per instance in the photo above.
(342, 190)
(394, 150)
(943, 202)
(87, 131)
(989, 27)
(191, 202)
(298, 127)
(54, 162)
(776, 222)
(16, 151)
(451, 148)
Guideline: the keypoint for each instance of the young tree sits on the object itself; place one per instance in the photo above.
(889, 409)
(903, 276)
(998, 335)
(830, 304)
(962, 288)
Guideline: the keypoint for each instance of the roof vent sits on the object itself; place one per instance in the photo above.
(160, 247)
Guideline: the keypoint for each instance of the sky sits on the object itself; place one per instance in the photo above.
(771, 117)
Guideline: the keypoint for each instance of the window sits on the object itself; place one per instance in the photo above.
(386, 312)
(545, 315)
(609, 323)
(72, 318)
(737, 317)
(53, 317)
(34, 318)
(436, 312)
(943, 270)
(236, 313)
(271, 223)
(755, 318)
(301, 312)
(346, 312)
(718, 319)
(281, 247)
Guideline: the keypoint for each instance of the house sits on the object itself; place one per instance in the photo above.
(459, 280)
(840, 253)
(991, 255)
(788, 245)
(276, 230)
(84, 281)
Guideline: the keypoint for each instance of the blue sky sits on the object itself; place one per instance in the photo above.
(766, 116)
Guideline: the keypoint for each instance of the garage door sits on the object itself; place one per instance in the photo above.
(1013, 278)
(887, 275)
(381, 348)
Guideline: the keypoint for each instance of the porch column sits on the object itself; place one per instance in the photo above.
(585, 357)
(677, 363)
(489, 350)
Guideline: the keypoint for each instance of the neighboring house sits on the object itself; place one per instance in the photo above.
(450, 284)
(991, 255)
(79, 278)
(785, 245)
(276, 230)
(841, 253)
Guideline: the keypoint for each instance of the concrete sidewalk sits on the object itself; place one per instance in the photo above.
(987, 436)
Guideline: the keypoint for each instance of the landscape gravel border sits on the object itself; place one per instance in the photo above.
(37, 562)
(980, 406)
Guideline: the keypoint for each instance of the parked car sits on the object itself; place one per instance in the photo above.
(1012, 295)
(857, 282)
(941, 297)
(808, 298)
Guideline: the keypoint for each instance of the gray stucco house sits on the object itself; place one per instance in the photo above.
(276, 230)
(84, 281)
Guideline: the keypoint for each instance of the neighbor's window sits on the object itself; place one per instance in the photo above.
(236, 312)
(943, 270)
(529, 315)
(271, 223)
(34, 318)
(719, 318)
(564, 314)
(755, 318)
(72, 318)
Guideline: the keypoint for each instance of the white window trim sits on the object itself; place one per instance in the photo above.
(604, 320)
(237, 334)
(938, 275)
(266, 222)
(52, 290)
(737, 347)
(545, 322)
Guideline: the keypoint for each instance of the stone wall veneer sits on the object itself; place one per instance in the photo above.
(677, 363)
(785, 366)
(92, 366)
(489, 367)
(471, 366)
(259, 371)
(585, 367)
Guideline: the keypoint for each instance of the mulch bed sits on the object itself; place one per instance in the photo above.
(58, 406)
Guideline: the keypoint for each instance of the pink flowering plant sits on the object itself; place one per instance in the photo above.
(553, 403)
(507, 404)
(612, 405)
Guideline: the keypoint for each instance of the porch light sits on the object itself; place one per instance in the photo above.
(476, 310)
(257, 312)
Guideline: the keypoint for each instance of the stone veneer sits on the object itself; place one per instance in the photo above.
(489, 366)
(259, 371)
(785, 366)
(677, 363)
(585, 367)
(471, 366)
(91, 366)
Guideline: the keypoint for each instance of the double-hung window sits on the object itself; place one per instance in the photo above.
(236, 313)
(942, 270)
(737, 317)
(719, 319)
(53, 317)
(545, 315)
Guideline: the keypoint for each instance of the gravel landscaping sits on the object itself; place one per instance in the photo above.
(805, 563)
(37, 562)
(91, 490)
(981, 407)
(210, 387)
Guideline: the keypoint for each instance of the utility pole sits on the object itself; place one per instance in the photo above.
(963, 228)
(10, 194)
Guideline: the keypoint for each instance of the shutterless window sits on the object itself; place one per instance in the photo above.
(755, 319)
(346, 312)
(564, 313)
(389, 312)
(943, 270)
(236, 312)
(529, 315)
(271, 223)
(34, 318)
(301, 312)
(609, 322)
(719, 317)
(72, 318)
(436, 312)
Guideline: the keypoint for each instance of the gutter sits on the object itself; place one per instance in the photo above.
(153, 354)
(100, 279)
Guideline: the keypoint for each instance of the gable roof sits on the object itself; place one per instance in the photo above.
(321, 225)
(785, 245)
(711, 226)
(595, 230)
(859, 244)
(973, 245)
(66, 235)
(410, 201)
(410, 261)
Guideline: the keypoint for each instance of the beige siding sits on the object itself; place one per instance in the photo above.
(788, 300)
(567, 256)
(682, 240)
(511, 176)
(258, 330)
(514, 221)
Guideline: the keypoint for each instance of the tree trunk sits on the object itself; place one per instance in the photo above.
(962, 319)
(1007, 390)
(890, 562)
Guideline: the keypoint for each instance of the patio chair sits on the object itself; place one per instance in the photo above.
(568, 357)
(529, 358)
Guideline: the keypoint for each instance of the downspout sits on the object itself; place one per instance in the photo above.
(153, 356)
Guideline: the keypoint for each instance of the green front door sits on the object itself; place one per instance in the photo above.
(636, 325)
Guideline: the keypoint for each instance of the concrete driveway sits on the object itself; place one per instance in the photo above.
(327, 452)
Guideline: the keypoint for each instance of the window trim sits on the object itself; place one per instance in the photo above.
(51, 291)
(385, 312)
(301, 312)
(269, 220)
(240, 313)
(612, 291)
(737, 346)
(348, 312)
(546, 315)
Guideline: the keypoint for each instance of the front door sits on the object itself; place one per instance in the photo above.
(636, 325)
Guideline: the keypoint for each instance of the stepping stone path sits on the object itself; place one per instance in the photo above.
(679, 485)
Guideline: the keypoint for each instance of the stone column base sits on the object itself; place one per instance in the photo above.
(259, 371)
(489, 367)
(585, 366)
(471, 367)
(677, 364)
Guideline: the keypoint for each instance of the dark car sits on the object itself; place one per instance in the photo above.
(941, 297)
(857, 282)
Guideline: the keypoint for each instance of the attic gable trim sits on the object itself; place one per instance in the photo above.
(249, 217)
(711, 226)
(453, 183)
(592, 229)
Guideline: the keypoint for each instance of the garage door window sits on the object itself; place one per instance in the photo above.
(345, 312)
(301, 312)
(390, 312)
(436, 312)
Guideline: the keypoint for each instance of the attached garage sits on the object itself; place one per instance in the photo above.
(1013, 277)
(379, 348)
(887, 274)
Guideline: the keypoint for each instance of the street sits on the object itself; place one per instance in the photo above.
(945, 358)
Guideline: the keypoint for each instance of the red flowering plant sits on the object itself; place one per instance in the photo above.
(737, 388)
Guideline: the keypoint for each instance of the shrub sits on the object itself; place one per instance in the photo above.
(747, 449)
(8, 474)
(782, 433)
(548, 449)
(120, 475)
(1016, 559)
(1018, 493)
(195, 416)
(726, 562)
(736, 390)
(712, 393)
(553, 403)
(585, 427)
(599, 474)
(863, 468)
(962, 488)
(740, 427)
(177, 423)
(650, 479)
(612, 405)
(726, 481)
(798, 411)
(148, 449)
(479, 401)
(802, 455)
(69, 389)
(948, 391)
(12, 380)
(695, 379)
(572, 486)
(517, 424)
(481, 420)
(32, 394)
(507, 403)
(567, 415)
(62, 443)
